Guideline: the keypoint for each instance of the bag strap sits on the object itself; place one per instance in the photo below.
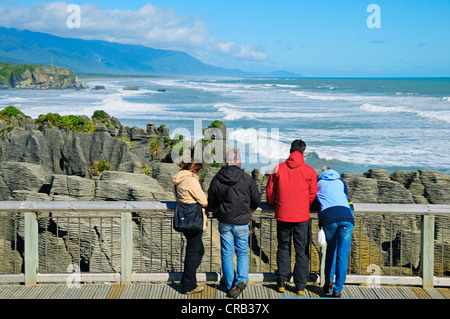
(175, 191)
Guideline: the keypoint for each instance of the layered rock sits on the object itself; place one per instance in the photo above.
(63, 151)
(400, 187)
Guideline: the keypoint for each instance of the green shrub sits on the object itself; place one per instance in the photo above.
(10, 111)
(75, 123)
(100, 115)
(99, 167)
(154, 148)
(147, 170)
(217, 123)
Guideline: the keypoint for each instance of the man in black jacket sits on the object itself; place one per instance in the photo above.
(232, 195)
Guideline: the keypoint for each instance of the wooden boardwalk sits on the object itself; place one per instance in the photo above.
(213, 291)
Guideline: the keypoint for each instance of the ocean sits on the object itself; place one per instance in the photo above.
(349, 124)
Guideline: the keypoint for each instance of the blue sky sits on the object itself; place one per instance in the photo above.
(312, 38)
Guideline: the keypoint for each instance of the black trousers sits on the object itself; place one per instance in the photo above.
(194, 254)
(299, 232)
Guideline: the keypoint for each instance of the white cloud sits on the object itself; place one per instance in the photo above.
(149, 26)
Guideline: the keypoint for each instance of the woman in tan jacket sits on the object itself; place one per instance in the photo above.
(189, 191)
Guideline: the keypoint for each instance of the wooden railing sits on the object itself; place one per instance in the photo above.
(28, 212)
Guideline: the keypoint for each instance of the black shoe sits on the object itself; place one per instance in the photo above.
(327, 288)
(236, 290)
(281, 286)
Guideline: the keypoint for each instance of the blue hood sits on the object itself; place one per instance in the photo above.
(331, 190)
(329, 175)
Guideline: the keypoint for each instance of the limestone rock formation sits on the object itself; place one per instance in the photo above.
(129, 187)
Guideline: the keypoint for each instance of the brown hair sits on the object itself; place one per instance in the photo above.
(190, 166)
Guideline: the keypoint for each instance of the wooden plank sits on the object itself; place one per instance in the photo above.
(145, 206)
(84, 206)
(253, 291)
(85, 291)
(91, 290)
(172, 291)
(445, 292)
(145, 290)
(63, 293)
(212, 291)
(115, 292)
(394, 293)
(19, 292)
(126, 251)
(48, 291)
(434, 293)
(12, 278)
(421, 293)
(103, 291)
(364, 208)
(31, 248)
(156, 291)
(351, 291)
(35, 293)
(427, 251)
(368, 292)
(10, 291)
(74, 292)
(128, 291)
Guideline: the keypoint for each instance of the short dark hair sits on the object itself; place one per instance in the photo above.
(298, 145)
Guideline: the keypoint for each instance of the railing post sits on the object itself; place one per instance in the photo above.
(427, 251)
(126, 241)
(31, 248)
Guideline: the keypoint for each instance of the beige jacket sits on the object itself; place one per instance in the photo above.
(189, 191)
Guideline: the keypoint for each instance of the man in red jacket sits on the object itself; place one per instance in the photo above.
(291, 188)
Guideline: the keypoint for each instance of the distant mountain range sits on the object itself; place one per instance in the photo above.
(101, 57)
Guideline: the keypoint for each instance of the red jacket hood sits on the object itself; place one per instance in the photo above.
(295, 160)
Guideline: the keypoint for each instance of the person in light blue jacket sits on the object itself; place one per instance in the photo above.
(336, 219)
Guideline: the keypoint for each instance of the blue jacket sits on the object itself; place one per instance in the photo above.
(332, 196)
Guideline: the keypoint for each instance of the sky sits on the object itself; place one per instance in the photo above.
(320, 38)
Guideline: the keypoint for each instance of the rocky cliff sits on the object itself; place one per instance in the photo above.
(75, 147)
(79, 158)
(38, 77)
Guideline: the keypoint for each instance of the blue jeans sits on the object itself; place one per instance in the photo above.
(339, 236)
(234, 237)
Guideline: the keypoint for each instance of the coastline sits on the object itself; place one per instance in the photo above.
(347, 124)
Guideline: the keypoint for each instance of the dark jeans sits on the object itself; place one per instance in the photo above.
(192, 260)
(298, 231)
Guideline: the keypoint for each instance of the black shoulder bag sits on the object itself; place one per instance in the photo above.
(187, 217)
